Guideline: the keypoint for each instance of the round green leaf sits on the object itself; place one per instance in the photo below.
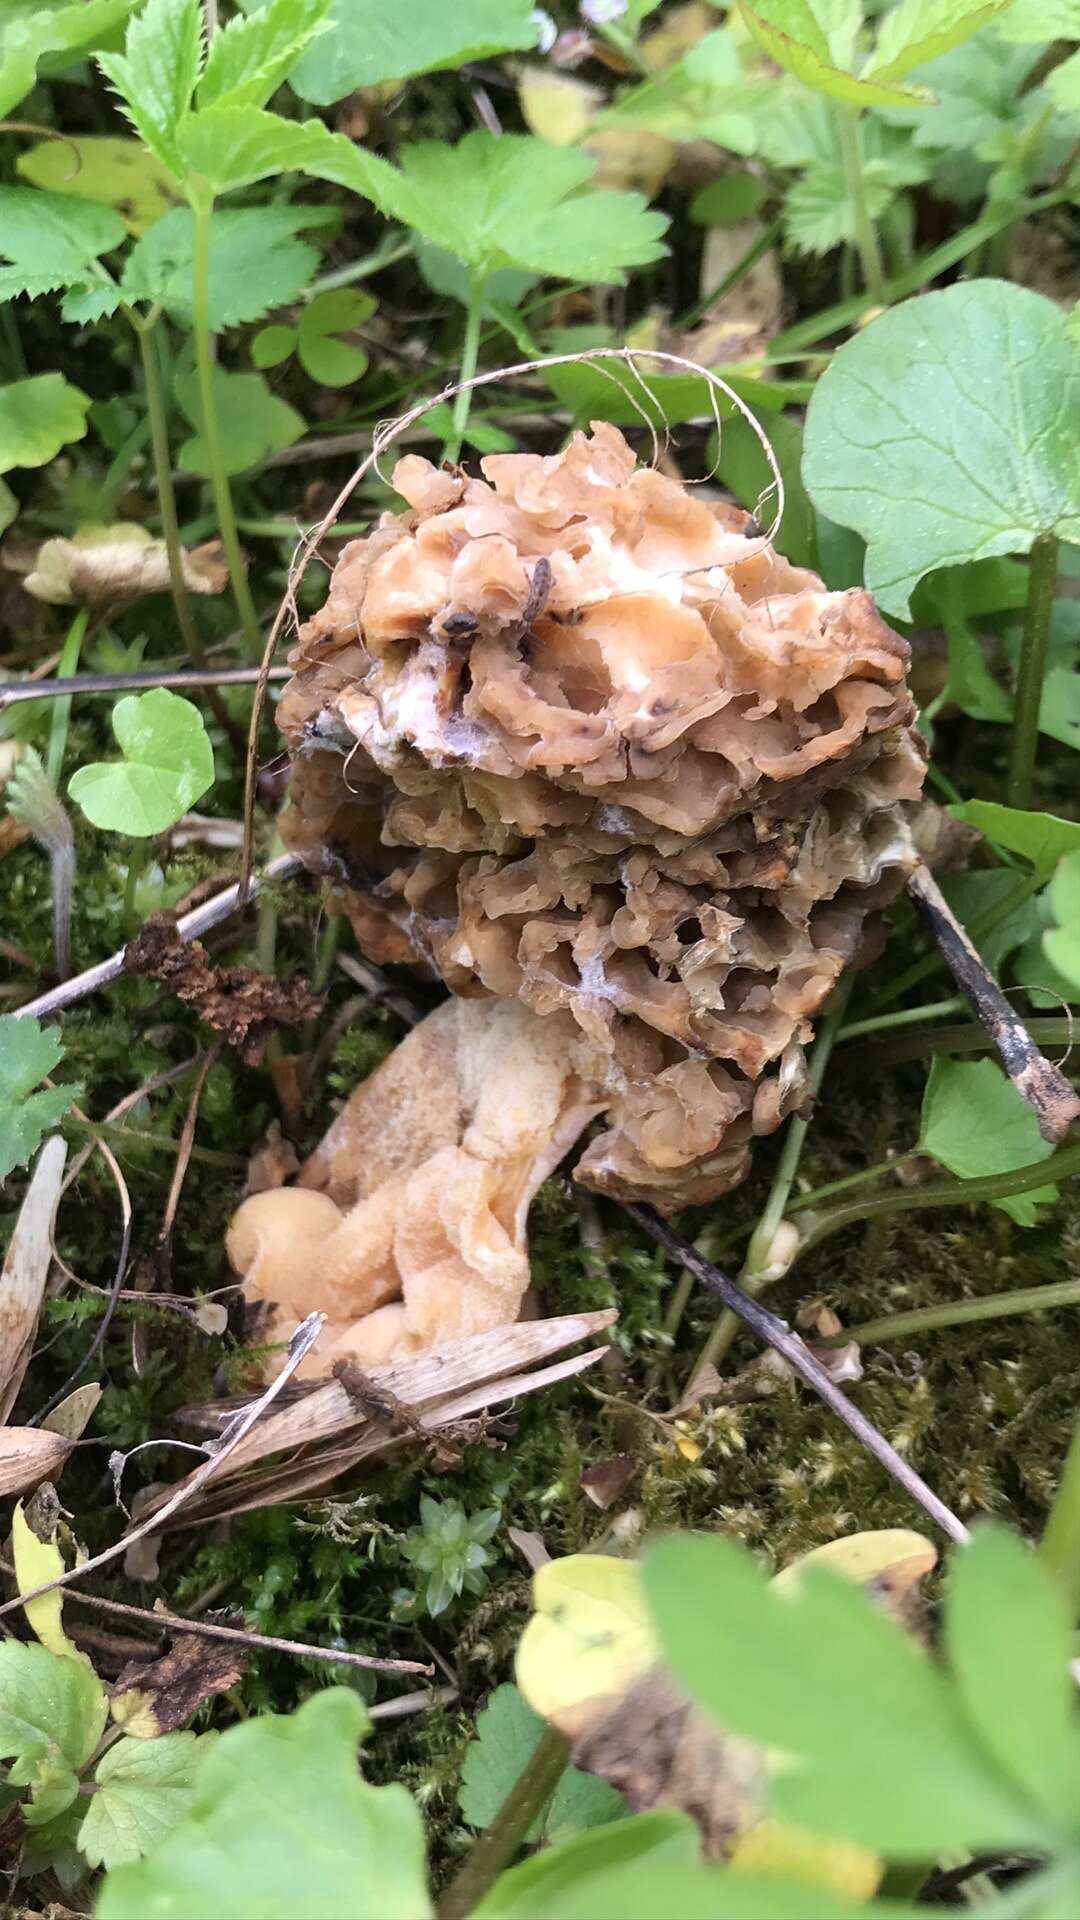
(333, 363)
(945, 432)
(168, 764)
(37, 417)
(272, 345)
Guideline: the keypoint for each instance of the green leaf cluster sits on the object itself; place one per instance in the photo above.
(449, 1549)
(325, 358)
(822, 42)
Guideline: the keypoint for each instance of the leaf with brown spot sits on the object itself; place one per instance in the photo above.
(151, 1700)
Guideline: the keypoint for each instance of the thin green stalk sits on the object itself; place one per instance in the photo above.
(866, 239)
(470, 351)
(153, 387)
(138, 860)
(951, 1193)
(202, 210)
(906, 1017)
(813, 1197)
(1042, 579)
(757, 1267)
(959, 1313)
(1059, 1548)
(496, 1848)
(61, 713)
(1053, 1031)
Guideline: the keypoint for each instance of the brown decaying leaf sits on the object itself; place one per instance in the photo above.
(108, 566)
(26, 1270)
(149, 1700)
(72, 1417)
(607, 1480)
(238, 1002)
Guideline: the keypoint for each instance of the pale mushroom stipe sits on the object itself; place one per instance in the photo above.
(576, 741)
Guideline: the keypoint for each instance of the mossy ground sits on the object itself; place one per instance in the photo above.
(983, 1411)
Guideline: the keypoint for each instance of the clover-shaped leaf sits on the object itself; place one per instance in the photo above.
(943, 433)
(168, 764)
(324, 357)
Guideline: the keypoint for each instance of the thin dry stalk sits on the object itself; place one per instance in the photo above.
(26, 1270)
(1051, 1097)
(126, 1218)
(190, 926)
(90, 683)
(385, 436)
(778, 1335)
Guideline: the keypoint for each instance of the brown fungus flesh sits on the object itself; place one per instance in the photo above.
(576, 740)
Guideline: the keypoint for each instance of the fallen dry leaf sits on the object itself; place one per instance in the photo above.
(238, 1002)
(29, 1455)
(607, 1480)
(151, 1700)
(26, 1270)
(108, 566)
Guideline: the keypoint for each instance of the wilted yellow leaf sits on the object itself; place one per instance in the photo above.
(588, 1640)
(771, 1847)
(37, 1561)
(557, 107)
(890, 1557)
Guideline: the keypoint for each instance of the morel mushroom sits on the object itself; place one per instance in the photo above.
(576, 739)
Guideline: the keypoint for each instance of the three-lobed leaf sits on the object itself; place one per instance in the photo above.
(943, 433)
(975, 1123)
(256, 261)
(168, 764)
(252, 421)
(281, 1823)
(52, 1715)
(28, 1052)
(251, 56)
(142, 1788)
(314, 339)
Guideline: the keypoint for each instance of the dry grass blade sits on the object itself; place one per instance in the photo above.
(26, 1269)
(328, 1432)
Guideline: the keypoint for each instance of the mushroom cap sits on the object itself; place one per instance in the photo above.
(274, 1242)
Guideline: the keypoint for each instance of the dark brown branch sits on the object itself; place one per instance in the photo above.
(90, 683)
(778, 1335)
(1037, 1080)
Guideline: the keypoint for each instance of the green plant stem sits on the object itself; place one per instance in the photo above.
(470, 351)
(61, 713)
(1059, 1548)
(952, 1193)
(202, 209)
(138, 860)
(496, 1848)
(906, 1017)
(1042, 579)
(813, 1197)
(756, 1268)
(1051, 1032)
(959, 1313)
(866, 240)
(157, 415)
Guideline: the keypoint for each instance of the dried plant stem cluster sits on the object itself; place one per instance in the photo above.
(577, 739)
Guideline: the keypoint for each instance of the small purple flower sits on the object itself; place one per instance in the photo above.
(600, 12)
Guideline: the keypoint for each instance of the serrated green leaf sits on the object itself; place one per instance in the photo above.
(109, 169)
(369, 42)
(1061, 944)
(818, 214)
(975, 1123)
(86, 308)
(256, 262)
(234, 147)
(168, 764)
(942, 433)
(23, 1127)
(1009, 1640)
(142, 1789)
(253, 422)
(1042, 838)
(507, 1734)
(156, 74)
(514, 201)
(53, 240)
(251, 56)
(38, 416)
(52, 1715)
(703, 96)
(919, 30)
(791, 33)
(1034, 22)
(31, 35)
(28, 1052)
(353, 1852)
(796, 1670)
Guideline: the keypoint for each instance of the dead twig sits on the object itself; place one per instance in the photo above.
(189, 927)
(778, 1335)
(240, 1636)
(1037, 1080)
(91, 683)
